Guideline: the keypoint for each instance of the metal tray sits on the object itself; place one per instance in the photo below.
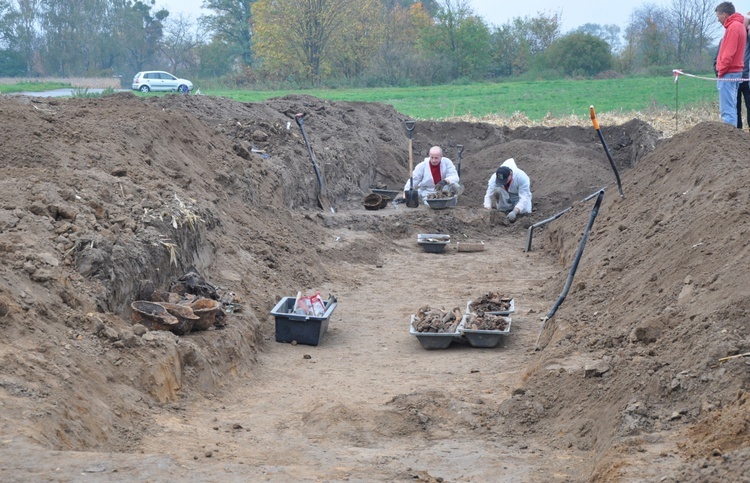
(431, 340)
(433, 238)
(442, 203)
(392, 194)
(433, 243)
(483, 338)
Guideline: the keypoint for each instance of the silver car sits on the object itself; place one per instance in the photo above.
(157, 80)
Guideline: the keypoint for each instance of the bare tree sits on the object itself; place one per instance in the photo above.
(648, 38)
(179, 42)
(695, 25)
(610, 33)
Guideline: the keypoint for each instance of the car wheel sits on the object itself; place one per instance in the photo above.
(144, 89)
(182, 89)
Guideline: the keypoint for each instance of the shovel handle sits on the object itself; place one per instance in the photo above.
(299, 117)
(592, 112)
(460, 151)
(410, 125)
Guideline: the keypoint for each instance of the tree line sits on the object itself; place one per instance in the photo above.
(342, 42)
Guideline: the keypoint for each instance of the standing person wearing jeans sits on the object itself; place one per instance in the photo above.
(730, 60)
(743, 90)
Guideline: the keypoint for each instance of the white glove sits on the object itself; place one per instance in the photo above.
(512, 215)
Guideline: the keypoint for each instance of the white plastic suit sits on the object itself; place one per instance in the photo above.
(516, 195)
(422, 177)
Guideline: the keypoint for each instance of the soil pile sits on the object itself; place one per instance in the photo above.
(660, 297)
(102, 197)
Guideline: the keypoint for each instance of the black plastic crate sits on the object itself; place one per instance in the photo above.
(304, 329)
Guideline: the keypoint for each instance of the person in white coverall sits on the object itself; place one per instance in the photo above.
(509, 190)
(434, 173)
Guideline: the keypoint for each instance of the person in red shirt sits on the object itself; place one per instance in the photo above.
(437, 170)
(730, 60)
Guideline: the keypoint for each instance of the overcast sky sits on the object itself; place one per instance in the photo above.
(574, 12)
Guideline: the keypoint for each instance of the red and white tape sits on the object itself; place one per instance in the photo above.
(677, 73)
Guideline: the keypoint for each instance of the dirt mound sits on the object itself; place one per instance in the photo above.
(100, 195)
(660, 297)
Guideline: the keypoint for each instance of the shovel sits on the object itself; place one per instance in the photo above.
(460, 150)
(322, 196)
(412, 196)
(606, 149)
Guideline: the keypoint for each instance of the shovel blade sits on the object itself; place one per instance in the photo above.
(325, 203)
(412, 198)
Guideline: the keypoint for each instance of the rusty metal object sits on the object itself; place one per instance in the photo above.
(206, 310)
(384, 201)
(184, 315)
(373, 201)
(152, 315)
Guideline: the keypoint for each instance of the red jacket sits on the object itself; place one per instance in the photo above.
(732, 49)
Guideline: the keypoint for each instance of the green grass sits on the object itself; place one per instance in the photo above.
(534, 99)
(32, 87)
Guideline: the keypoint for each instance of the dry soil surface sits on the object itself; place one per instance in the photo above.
(627, 381)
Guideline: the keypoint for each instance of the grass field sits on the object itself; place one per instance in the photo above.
(14, 84)
(536, 100)
(545, 103)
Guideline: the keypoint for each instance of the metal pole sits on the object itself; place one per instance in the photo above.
(574, 267)
(530, 231)
(606, 149)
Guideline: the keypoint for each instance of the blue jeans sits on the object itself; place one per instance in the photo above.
(728, 97)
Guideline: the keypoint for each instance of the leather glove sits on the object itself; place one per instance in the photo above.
(512, 215)
(441, 185)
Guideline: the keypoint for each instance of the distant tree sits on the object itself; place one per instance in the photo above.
(12, 64)
(358, 40)
(649, 38)
(399, 60)
(695, 24)
(26, 31)
(216, 58)
(609, 33)
(141, 32)
(72, 33)
(506, 50)
(179, 43)
(429, 6)
(460, 38)
(231, 22)
(474, 40)
(294, 36)
(515, 44)
(580, 54)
